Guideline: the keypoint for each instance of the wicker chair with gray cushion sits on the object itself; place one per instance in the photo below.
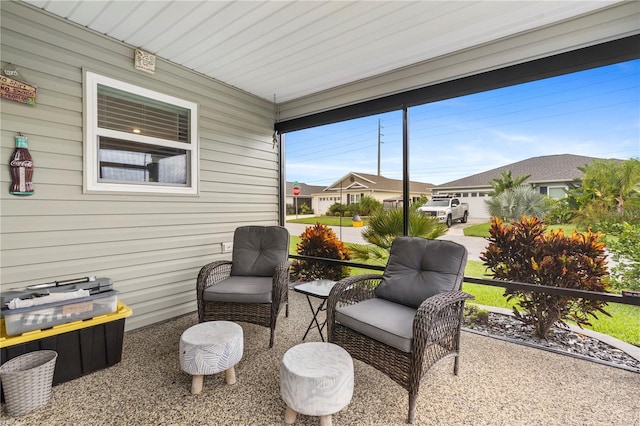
(403, 321)
(253, 286)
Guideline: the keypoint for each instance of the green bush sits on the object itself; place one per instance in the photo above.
(560, 211)
(320, 241)
(369, 205)
(302, 209)
(625, 250)
(598, 218)
(524, 252)
(345, 210)
(305, 209)
(337, 209)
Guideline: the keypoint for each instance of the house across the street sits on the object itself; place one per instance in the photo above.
(550, 174)
(353, 186)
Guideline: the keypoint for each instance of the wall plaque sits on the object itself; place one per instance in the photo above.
(15, 88)
(145, 61)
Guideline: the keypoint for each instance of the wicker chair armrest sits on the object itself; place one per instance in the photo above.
(212, 273)
(439, 315)
(435, 306)
(281, 280)
(353, 289)
(281, 273)
(348, 291)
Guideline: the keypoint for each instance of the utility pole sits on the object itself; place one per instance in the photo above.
(379, 142)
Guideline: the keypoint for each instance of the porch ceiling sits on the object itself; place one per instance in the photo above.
(291, 49)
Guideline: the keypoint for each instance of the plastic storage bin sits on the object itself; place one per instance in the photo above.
(18, 321)
(27, 381)
(82, 346)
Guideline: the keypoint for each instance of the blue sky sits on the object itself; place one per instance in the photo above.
(595, 113)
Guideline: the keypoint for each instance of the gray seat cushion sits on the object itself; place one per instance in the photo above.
(419, 268)
(381, 320)
(258, 250)
(240, 290)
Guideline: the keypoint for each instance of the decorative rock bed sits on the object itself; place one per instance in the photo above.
(560, 340)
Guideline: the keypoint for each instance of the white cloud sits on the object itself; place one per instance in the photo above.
(514, 137)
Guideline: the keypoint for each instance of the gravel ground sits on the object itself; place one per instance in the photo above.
(500, 383)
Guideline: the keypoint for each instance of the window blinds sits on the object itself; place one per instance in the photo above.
(131, 113)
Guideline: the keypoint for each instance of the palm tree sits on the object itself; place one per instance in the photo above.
(511, 204)
(385, 225)
(608, 190)
(628, 180)
(506, 182)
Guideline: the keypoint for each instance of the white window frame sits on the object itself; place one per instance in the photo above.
(555, 188)
(93, 132)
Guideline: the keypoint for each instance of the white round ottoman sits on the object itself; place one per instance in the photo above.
(209, 348)
(316, 379)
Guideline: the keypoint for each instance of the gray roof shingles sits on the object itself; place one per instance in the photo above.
(560, 167)
(371, 181)
(382, 183)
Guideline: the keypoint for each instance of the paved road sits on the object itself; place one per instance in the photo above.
(474, 245)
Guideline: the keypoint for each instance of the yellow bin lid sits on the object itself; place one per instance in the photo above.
(123, 311)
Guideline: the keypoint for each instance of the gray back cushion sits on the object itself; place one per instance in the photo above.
(257, 250)
(419, 268)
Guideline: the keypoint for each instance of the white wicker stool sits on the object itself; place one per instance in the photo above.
(316, 379)
(209, 348)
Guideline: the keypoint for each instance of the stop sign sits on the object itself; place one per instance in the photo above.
(296, 191)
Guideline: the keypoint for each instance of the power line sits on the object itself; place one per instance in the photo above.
(549, 90)
(506, 93)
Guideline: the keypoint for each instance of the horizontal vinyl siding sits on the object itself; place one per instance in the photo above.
(152, 246)
(612, 23)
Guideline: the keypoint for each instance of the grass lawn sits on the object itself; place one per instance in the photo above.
(482, 229)
(623, 323)
(325, 220)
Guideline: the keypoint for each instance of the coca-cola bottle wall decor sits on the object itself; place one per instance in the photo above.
(21, 165)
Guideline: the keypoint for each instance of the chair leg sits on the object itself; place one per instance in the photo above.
(456, 364)
(271, 338)
(412, 408)
(286, 310)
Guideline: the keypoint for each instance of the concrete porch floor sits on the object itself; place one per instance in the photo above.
(499, 383)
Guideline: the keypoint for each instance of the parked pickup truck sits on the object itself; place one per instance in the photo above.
(446, 209)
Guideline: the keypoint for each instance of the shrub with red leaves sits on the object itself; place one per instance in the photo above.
(524, 252)
(320, 241)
